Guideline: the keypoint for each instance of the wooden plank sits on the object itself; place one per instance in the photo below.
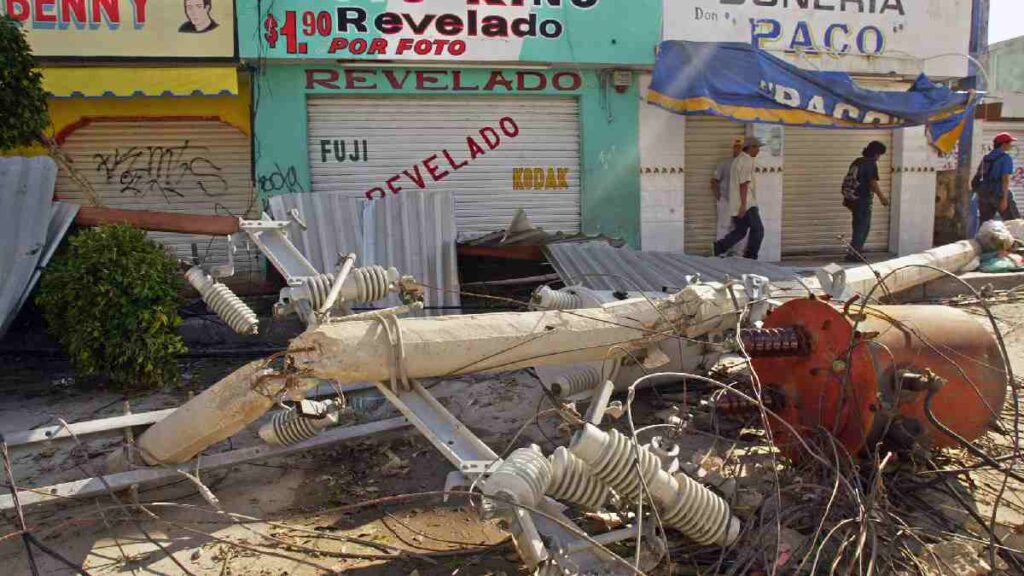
(91, 487)
(88, 428)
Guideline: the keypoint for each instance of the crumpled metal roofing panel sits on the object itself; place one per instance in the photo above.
(599, 266)
(332, 226)
(62, 215)
(26, 208)
(415, 233)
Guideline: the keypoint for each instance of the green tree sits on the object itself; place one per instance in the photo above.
(111, 299)
(23, 112)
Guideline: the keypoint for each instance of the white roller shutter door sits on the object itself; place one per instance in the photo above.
(813, 216)
(395, 135)
(188, 166)
(991, 130)
(708, 142)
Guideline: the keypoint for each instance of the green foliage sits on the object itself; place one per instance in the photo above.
(23, 112)
(111, 299)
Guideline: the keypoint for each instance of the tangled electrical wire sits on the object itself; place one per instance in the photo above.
(832, 512)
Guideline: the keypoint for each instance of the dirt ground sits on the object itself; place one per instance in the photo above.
(312, 511)
(306, 500)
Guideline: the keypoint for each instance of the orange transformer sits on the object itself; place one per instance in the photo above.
(863, 374)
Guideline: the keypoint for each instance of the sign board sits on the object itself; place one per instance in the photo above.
(856, 36)
(571, 31)
(126, 28)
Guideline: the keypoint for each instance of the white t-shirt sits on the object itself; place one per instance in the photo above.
(742, 171)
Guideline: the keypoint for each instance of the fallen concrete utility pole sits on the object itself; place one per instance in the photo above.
(904, 273)
(432, 347)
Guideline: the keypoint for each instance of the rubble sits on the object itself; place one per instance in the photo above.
(786, 438)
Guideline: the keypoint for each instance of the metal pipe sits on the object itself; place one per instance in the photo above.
(339, 281)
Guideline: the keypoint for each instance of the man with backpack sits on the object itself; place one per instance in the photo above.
(859, 189)
(992, 182)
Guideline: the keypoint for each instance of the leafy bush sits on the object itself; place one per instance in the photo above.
(111, 299)
(24, 114)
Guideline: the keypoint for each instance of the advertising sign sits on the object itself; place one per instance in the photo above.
(127, 28)
(857, 36)
(601, 31)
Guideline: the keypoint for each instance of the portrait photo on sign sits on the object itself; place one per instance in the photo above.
(199, 19)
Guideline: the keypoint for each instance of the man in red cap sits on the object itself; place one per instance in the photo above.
(992, 182)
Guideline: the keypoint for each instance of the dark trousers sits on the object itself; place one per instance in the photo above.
(861, 228)
(988, 207)
(750, 222)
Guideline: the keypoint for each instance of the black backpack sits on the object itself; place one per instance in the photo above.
(983, 184)
(851, 185)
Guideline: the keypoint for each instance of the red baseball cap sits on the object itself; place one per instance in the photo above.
(1004, 138)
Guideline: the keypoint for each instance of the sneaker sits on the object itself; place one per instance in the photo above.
(852, 258)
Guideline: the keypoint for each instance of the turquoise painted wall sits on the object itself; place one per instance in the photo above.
(609, 129)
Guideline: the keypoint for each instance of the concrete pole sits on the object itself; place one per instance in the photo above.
(910, 271)
(362, 351)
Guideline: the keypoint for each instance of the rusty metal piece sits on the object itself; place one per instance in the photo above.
(206, 224)
(861, 374)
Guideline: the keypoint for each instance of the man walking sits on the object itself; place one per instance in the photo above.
(865, 170)
(743, 203)
(720, 190)
(992, 184)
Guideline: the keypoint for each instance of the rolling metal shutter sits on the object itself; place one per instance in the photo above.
(396, 135)
(813, 216)
(991, 130)
(194, 167)
(708, 142)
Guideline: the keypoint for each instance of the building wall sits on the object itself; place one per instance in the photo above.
(1005, 66)
(608, 125)
(914, 188)
(921, 36)
(662, 155)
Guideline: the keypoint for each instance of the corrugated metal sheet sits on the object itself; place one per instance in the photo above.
(603, 267)
(26, 210)
(420, 143)
(62, 215)
(334, 224)
(413, 232)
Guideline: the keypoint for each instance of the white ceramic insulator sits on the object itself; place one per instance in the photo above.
(224, 303)
(524, 476)
(682, 503)
(572, 481)
(576, 382)
(372, 283)
(363, 285)
(547, 299)
(287, 428)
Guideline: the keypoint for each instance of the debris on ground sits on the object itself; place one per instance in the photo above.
(720, 429)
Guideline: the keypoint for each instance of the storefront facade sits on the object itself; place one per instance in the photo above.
(147, 105)
(508, 107)
(884, 46)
